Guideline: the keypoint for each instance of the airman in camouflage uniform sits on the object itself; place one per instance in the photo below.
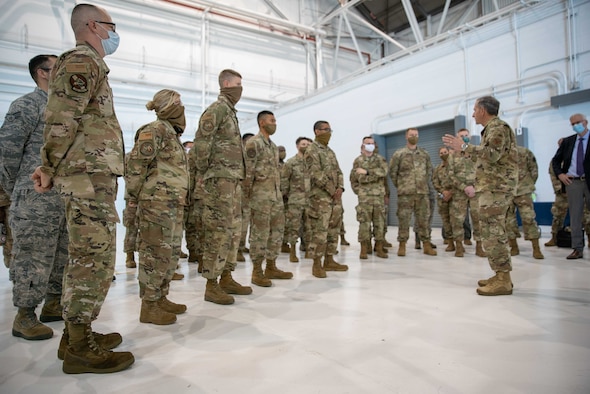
(366, 178)
(194, 222)
(131, 230)
(410, 170)
(37, 222)
(295, 189)
(325, 201)
(245, 214)
(462, 176)
(157, 183)
(5, 233)
(496, 174)
(262, 187)
(219, 167)
(282, 155)
(528, 172)
(82, 157)
(443, 186)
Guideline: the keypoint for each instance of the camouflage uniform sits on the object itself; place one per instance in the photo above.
(262, 187)
(410, 171)
(559, 207)
(194, 222)
(157, 181)
(295, 186)
(371, 195)
(496, 177)
(4, 216)
(441, 182)
(37, 221)
(131, 224)
(324, 214)
(528, 172)
(84, 154)
(219, 163)
(462, 173)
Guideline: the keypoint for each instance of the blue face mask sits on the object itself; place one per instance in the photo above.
(110, 44)
(578, 127)
(466, 139)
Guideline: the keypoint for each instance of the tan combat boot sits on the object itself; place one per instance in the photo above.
(28, 327)
(380, 251)
(177, 276)
(479, 249)
(537, 250)
(230, 286)
(272, 272)
(467, 241)
(343, 241)
(285, 248)
(501, 285)
(369, 246)
(429, 248)
(151, 312)
(214, 293)
(485, 282)
(331, 265)
(258, 277)
(363, 254)
(387, 244)
(169, 306)
(552, 241)
(402, 248)
(84, 355)
(130, 261)
(240, 257)
(52, 310)
(293, 254)
(317, 270)
(514, 247)
(105, 341)
(459, 249)
(450, 246)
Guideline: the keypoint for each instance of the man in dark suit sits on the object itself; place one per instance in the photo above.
(571, 165)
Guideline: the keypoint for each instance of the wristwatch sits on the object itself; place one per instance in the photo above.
(464, 146)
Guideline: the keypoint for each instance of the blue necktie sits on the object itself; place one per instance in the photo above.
(580, 157)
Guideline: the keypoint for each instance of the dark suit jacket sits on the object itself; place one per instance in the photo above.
(563, 158)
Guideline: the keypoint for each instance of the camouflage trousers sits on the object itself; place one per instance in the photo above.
(325, 218)
(493, 208)
(131, 229)
(192, 226)
(92, 229)
(419, 205)
(245, 222)
(7, 247)
(222, 223)
(371, 215)
(294, 221)
(267, 226)
(160, 236)
(460, 205)
(526, 209)
(40, 249)
(559, 212)
(444, 212)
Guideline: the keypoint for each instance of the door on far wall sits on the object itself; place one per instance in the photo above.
(430, 138)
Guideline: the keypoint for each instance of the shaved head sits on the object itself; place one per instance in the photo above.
(82, 13)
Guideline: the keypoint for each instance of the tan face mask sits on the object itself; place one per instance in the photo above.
(323, 138)
(270, 128)
(413, 140)
(173, 114)
(233, 94)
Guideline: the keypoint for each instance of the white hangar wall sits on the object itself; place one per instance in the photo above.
(522, 60)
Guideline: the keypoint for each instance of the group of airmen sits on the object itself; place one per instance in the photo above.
(62, 151)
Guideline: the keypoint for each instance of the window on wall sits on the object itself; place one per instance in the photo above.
(431, 140)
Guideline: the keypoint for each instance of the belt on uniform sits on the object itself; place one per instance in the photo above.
(579, 178)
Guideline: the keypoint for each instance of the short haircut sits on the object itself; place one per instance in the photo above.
(185, 143)
(80, 15)
(246, 136)
(262, 114)
(411, 128)
(301, 139)
(460, 130)
(318, 124)
(227, 74)
(489, 104)
(39, 61)
(367, 137)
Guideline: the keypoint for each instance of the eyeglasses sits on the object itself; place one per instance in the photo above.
(113, 25)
